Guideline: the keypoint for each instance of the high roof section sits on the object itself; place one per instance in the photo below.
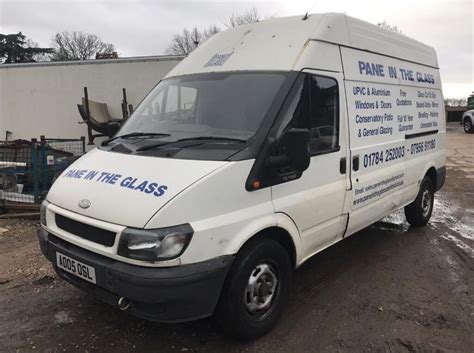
(278, 44)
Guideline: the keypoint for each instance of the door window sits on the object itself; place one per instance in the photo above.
(324, 114)
(314, 105)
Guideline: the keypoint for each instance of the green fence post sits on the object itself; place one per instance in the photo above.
(34, 169)
(43, 167)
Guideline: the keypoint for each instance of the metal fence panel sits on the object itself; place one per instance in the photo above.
(29, 168)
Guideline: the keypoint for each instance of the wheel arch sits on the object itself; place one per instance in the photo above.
(282, 237)
(283, 231)
(432, 174)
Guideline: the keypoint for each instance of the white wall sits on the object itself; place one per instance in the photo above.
(41, 98)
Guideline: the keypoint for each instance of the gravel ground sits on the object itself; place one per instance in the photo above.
(388, 288)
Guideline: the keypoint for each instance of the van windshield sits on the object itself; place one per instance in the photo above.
(212, 105)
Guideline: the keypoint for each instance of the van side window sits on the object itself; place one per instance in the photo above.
(324, 114)
(296, 114)
(314, 105)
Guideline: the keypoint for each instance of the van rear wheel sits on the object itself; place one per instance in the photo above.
(256, 290)
(418, 213)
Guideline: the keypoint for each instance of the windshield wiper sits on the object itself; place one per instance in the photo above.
(198, 138)
(134, 134)
(212, 138)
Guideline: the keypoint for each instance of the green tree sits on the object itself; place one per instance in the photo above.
(15, 48)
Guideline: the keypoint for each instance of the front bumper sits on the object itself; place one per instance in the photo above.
(171, 294)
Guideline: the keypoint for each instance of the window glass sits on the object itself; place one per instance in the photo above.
(324, 113)
(188, 98)
(172, 99)
(216, 104)
(296, 114)
(314, 105)
(156, 104)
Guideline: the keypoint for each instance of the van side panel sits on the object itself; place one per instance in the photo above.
(397, 130)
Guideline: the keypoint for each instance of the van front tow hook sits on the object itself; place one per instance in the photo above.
(123, 303)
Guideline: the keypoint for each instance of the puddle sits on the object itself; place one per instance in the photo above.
(393, 222)
(459, 243)
(459, 221)
(397, 218)
(453, 268)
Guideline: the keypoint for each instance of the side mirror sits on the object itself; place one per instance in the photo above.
(296, 143)
(296, 153)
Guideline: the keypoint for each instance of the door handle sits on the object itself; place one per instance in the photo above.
(355, 163)
(342, 165)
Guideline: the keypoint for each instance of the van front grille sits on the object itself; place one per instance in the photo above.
(88, 232)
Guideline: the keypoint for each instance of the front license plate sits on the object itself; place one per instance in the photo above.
(75, 267)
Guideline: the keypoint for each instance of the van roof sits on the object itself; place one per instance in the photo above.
(277, 44)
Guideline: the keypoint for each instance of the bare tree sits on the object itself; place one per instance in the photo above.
(79, 46)
(185, 42)
(455, 102)
(386, 25)
(39, 57)
(249, 16)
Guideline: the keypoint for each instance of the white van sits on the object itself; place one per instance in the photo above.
(269, 143)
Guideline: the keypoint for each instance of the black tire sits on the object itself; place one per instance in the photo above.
(418, 213)
(468, 127)
(232, 312)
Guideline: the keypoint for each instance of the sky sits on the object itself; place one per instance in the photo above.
(145, 27)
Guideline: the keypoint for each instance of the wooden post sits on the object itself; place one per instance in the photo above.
(88, 115)
(83, 140)
(125, 114)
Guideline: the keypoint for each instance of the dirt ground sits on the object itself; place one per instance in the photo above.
(388, 288)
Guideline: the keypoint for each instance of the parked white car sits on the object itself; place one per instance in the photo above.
(270, 142)
(468, 121)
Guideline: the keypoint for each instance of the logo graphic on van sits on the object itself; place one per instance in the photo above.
(145, 186)
(218, 59)
(84, 203)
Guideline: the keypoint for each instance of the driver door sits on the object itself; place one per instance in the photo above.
(315, 201)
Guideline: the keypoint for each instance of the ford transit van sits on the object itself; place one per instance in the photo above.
(270, 142)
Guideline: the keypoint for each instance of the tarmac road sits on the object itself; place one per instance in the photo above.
(388, 288)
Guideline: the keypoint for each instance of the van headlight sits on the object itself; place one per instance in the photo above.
(43, 207)
(155, 244)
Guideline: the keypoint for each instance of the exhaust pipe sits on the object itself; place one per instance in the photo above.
(123, 303)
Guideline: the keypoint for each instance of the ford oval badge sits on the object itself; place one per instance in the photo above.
(84, 203)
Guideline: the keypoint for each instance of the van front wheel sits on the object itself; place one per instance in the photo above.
(256, 289)
(418, 213)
